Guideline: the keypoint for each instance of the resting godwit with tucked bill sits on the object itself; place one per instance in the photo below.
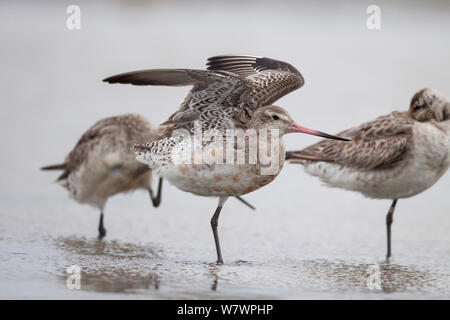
(395, 156)
(102, 165)
(236, 92)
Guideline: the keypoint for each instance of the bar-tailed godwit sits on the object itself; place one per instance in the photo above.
(102, 165)
(236, 92)
(395, 156)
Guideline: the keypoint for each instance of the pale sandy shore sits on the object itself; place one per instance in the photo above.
(304, 240)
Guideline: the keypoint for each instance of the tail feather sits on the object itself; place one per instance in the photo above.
(303, 158)
(290, 155)
(61, 166)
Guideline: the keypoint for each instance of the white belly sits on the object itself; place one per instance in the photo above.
(382, 184)
(105, 174)
(216, 180)
(190, 172)
(425, 163)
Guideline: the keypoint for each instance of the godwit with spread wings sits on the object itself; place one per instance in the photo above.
(235, 93)
(102, 164)
(395, 156)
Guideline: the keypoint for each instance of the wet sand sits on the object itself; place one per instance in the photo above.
(303, 241)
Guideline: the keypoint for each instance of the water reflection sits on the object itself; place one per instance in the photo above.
(213, 273)
(392, 277)
(111, 266)
(227, 272)
(114, 266)
(110, 248)
(118, 280)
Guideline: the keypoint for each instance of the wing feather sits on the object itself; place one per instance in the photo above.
(156, 77)
(377, 144)
(271, 79)
(219, 93)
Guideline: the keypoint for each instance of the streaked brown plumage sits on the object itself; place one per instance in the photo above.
(102, 164)
(395, 156)
(235, 90)
(376, 144)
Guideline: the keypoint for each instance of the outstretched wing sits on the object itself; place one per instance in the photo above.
(377, 144)
(219, 93)
(211, 99)
(271, 79)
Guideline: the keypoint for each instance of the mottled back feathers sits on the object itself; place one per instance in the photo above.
(122, 130)
(376, 144)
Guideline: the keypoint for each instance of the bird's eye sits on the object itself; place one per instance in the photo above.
(431, 99)
(275, 117)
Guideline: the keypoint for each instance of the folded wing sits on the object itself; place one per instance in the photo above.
(377, 144)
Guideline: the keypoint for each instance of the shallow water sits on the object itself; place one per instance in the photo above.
(303, 241)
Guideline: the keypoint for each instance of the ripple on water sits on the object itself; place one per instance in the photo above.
(110, 266)
(336, 275)
(121, 267)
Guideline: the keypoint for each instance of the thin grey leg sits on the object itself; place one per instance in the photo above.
(389, 220)
(245, 202)
(214, 224)
(156, 200)
(101, 228)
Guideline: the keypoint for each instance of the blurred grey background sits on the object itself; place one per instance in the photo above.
(304, 240)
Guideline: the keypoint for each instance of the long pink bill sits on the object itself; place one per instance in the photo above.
(298, 128)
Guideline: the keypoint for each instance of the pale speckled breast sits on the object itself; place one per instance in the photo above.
(220, 180)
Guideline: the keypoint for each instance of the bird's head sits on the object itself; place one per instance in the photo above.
(273, 117)
(429, 104)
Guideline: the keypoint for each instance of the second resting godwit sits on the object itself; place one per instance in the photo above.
(101, 164)
(395, 156)
(236, 92)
